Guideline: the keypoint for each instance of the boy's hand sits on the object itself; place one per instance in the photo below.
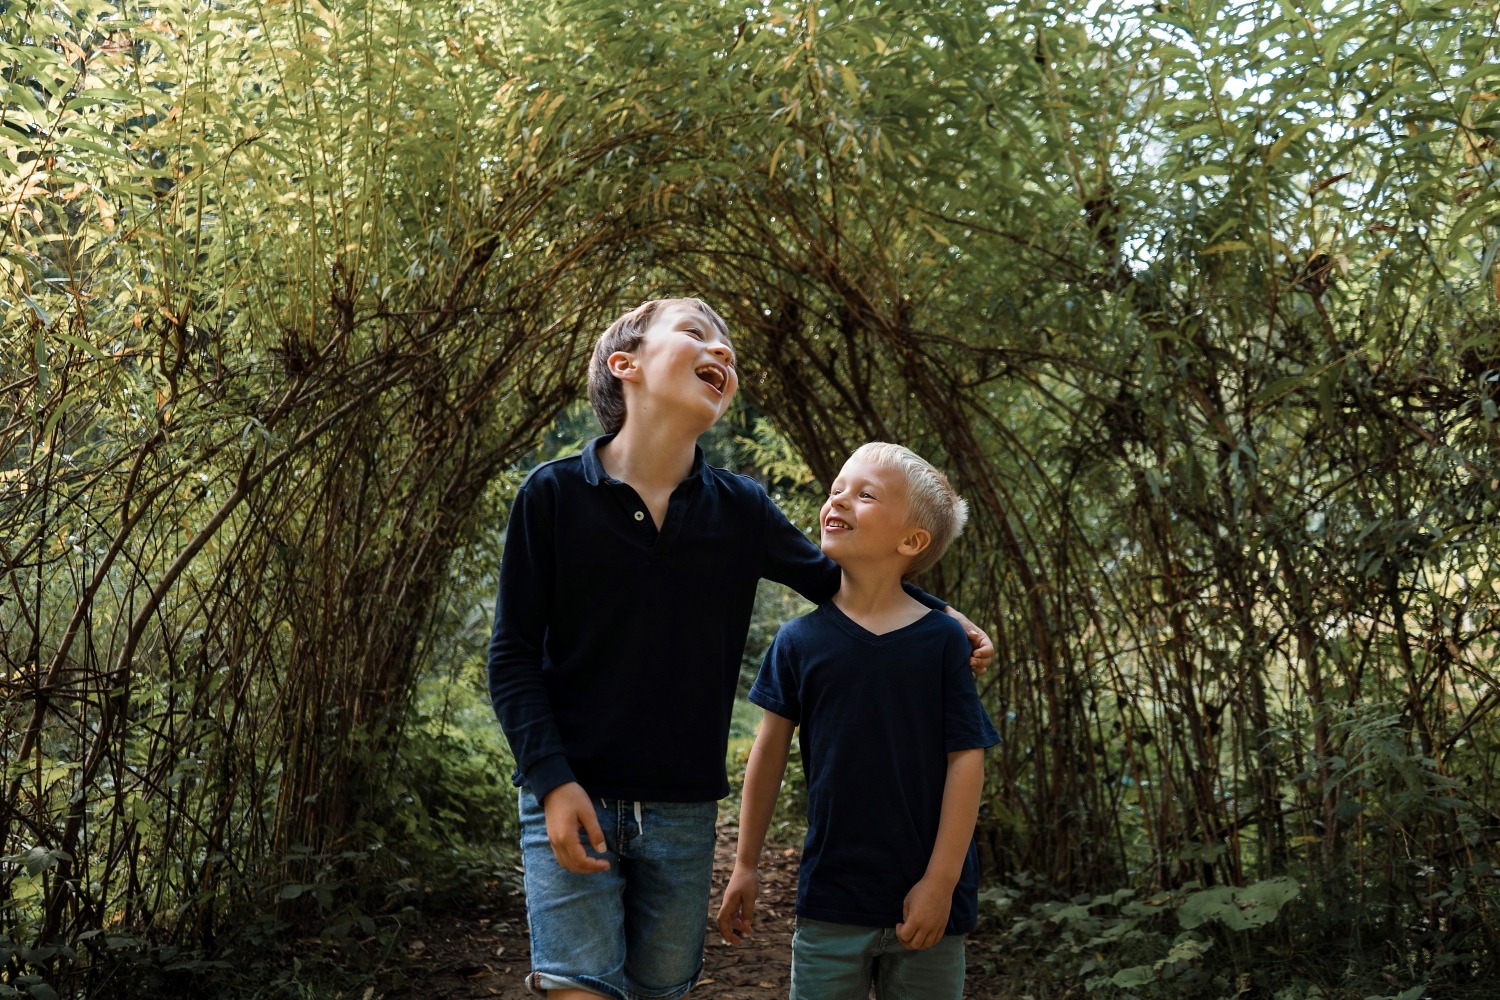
(568, 810)
(924, 915)
(984, 650)
(737, 911)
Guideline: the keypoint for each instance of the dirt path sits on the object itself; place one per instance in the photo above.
(460, 957)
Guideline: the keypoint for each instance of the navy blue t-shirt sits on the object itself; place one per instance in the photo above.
(615, 656)
(877, 716)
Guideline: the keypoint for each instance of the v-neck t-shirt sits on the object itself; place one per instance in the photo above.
(877, 716)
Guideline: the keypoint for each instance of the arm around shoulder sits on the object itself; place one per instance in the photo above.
(791, 558)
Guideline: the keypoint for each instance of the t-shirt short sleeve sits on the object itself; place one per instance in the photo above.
(966, 725)
(776, 684)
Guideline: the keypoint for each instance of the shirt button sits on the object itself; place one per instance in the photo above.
(640, 515)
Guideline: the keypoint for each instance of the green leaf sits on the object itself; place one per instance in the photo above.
(1281, 387)
(42, 315)
(1272, 892)
(1227, 246)
(1290, 136)
(1188, 949)
(80, 343)
(1480, 214)
(1238, 909)
(1137, 975)
(1204, 905)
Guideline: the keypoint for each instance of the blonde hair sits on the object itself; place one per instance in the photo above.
(606, 394)
(931, 501)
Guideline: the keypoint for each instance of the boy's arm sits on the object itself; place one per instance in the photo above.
(763, 774)
(518, 693)
(792, 559)
(924, 912)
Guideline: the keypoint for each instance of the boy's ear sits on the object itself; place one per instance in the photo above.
(915, 542)
(622, 366)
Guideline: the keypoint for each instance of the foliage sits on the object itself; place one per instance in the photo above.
(268, 278)
(1213, 941)
(1197, 302)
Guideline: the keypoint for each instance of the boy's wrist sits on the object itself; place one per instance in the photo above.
(941, 880)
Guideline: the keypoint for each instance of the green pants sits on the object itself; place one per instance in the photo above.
(840, 961)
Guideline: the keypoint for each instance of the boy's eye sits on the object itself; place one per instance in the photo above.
(867, 495)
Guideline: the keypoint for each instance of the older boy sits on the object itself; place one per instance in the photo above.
(892, 740)
(626, 589)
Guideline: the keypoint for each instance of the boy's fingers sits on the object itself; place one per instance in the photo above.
(914, 938)
(589, 863)
(593, 830)
(984, 651)
(570, 858)
(575, 859)
(737, 915)
(727, 912)
(733, 925)
(569, 810)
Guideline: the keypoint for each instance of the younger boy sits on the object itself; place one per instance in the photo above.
(892, 736)
(626, 590)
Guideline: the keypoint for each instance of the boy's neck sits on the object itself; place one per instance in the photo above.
(873, 598)
(653, 458)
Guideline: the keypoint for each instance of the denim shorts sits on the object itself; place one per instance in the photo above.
(634, 932)
(840, 961)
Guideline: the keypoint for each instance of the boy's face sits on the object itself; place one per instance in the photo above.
(683, 361)
(865, 515)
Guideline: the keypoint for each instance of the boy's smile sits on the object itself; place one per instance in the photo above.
(865, 513)
(715, 374)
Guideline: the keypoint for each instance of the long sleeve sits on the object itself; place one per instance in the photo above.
(793, 560)
(523, 609)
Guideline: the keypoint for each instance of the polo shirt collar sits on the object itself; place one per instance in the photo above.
(593, 469)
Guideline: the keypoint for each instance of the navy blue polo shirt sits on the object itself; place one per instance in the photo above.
(616, 650)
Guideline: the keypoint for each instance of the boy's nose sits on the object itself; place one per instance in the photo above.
(722, 352)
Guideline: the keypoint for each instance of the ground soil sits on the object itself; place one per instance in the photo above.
(471, 956)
